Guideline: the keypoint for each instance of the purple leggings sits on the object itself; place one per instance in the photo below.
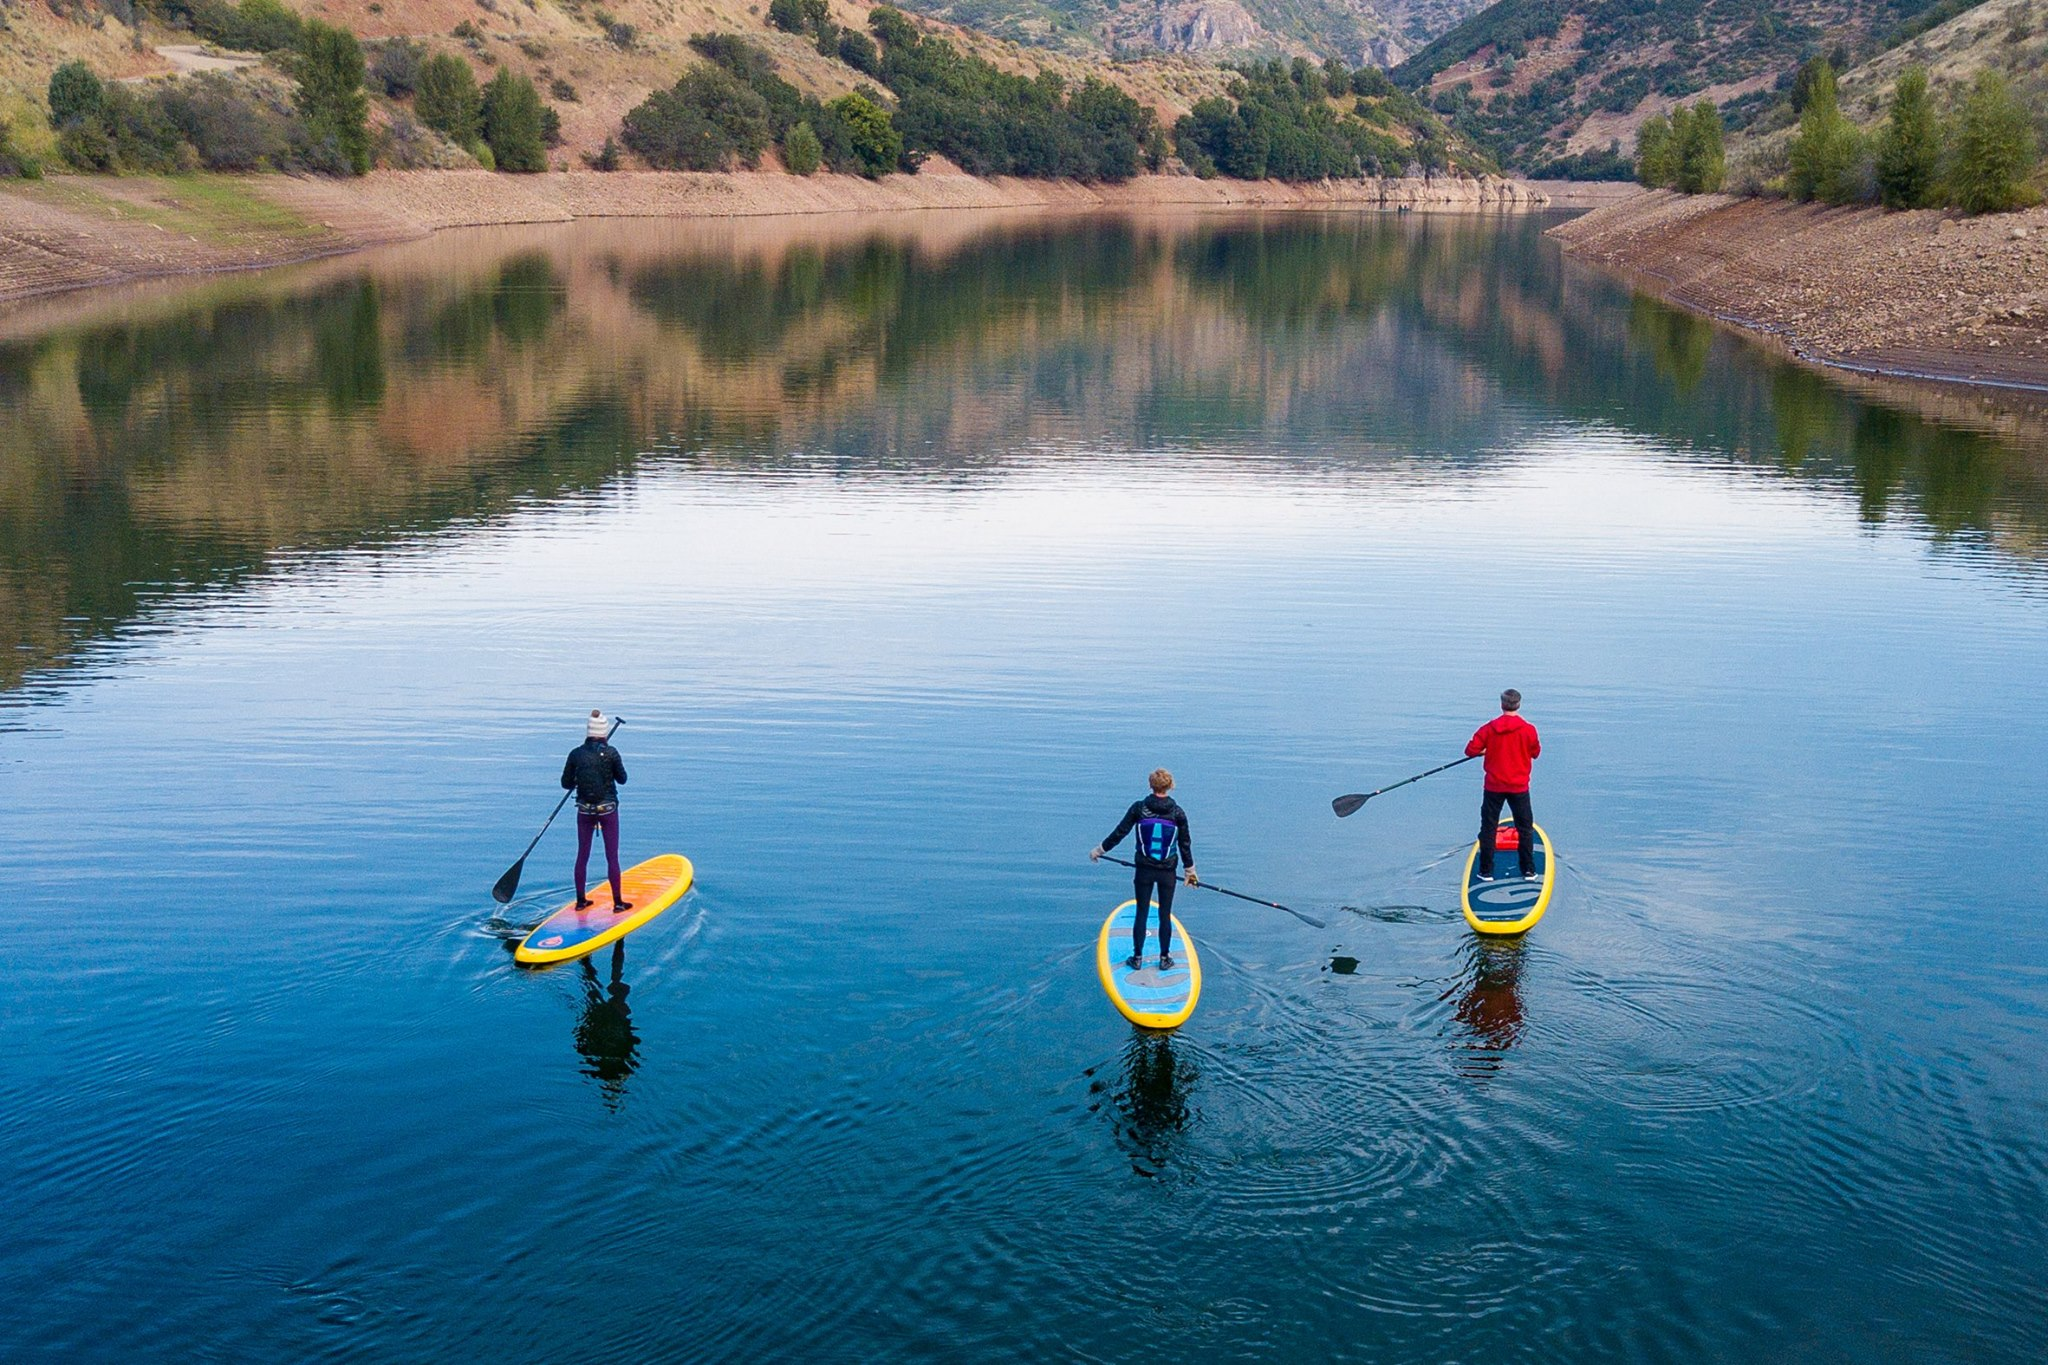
(609, 823)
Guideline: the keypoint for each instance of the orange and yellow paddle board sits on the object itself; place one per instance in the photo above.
(651, 887)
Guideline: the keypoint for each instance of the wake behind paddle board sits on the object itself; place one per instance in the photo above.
(1510, 903)
(1148, 997)
(651, 887)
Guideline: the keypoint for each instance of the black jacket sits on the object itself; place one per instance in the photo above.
(593, 769)
(1162, 806)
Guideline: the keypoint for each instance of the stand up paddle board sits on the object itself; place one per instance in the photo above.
(1148, 997)
(651, 887)
(1510, 903)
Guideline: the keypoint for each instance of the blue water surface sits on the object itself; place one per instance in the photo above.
(906, 549)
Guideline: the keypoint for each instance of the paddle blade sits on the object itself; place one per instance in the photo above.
(1349, 805)
(508, 884)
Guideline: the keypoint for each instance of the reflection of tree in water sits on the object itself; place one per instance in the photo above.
(604, 1029)
(1149, 1106)
(1488, 1009)
(187, 448)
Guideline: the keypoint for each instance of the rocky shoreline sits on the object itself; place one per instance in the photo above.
(73, 232)
(1922, 295)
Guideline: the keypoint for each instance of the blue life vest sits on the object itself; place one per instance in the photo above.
(1156, 836)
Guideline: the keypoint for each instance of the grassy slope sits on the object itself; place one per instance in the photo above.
(564, 40)
(2003, 35)
(1587, 72)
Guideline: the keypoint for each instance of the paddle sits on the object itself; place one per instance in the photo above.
(1206, 886)
(1348, 805)
(509, 883)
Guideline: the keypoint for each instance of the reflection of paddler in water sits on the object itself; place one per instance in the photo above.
(604, 1029)
(1152, 1107)
(1489, 1008)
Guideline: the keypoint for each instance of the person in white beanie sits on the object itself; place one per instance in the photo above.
(594, 772)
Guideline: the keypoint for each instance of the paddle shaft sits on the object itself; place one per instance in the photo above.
(1355, 801)
(509, 883)
(1226, 891)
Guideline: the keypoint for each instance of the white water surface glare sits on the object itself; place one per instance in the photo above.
(906, 552)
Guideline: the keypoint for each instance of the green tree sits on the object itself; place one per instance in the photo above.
(787, 15)
(704, 123)
(1826, 154)
(76, 95)
(801, 150)
(331, 101)
(515, 126)
(1702, 162)
(1656, 152)
(876, 143)
(1909, 152)
(448, 100)
(1994, 149)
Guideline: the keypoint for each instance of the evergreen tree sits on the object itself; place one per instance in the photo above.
(801, 150)
(705, 122)
(515, 126)
(331, 101)
(448, 100)
(1702, 163)
(1826, 155)
(1994, 149)
(1909, 152)
(1656, 152)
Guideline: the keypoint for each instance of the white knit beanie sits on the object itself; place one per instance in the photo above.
(596, 728)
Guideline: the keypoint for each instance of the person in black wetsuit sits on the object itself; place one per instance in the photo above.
(1163, 839)
(594, 772)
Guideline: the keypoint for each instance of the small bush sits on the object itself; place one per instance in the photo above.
(251, 26)
(75, 94)
(607, 158)
(560, 89)
(230, 125)
(801, 150)
(395, 66)
(787, 15)
(15, 161)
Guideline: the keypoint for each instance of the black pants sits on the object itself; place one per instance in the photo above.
(1525, 829)
(1142, 886)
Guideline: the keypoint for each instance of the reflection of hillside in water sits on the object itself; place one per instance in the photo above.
(183, 438)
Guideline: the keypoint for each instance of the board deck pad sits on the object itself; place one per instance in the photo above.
(1510, 903)
(651, 887)
(1148, 997)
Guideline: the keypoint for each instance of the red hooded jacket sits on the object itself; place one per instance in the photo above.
(1510, 746)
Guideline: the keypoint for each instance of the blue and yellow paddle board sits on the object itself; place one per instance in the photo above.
(1148, 997)
(651, 887)
(1510, 903)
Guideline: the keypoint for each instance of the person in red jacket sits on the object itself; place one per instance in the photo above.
(1511, 747)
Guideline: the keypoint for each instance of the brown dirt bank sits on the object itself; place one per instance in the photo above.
(75, 231)
(1921, 295)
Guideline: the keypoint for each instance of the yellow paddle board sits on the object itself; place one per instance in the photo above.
(651, 887)
(1510, 903)
(1148, 997)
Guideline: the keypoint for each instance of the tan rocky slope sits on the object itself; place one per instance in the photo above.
(1918, 293)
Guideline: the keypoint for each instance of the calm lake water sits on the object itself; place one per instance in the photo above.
(906, 550)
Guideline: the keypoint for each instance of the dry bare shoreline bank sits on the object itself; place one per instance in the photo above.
(73, 232)
(1923, 295)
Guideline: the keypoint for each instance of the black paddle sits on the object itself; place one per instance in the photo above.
(509, 883)
(1315, 923)
(1348, 805)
